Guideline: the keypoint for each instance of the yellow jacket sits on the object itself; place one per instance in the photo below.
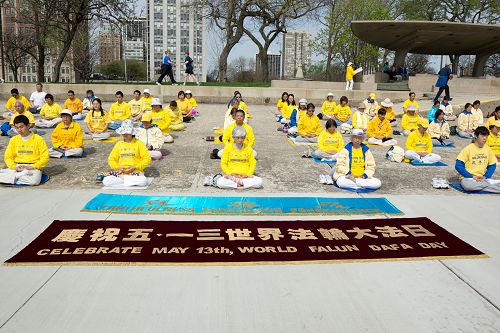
(71, 136)
(286, 111)
(119, 111)
(227, 137)
(494, 143)
(378, 128)
(360, 120)
(408, 102)
(328, 107)
(26, 113)
(32, 151)
(281, 104)
(243, 106)
(410, 122)
(330, 141)
(175, 115)
(490, 121)
(342, 112)
(192, 102)
(51, 111)
(309, 125)
(371, 108)
(241, 162)
(162, 120)
(466, 121)
(127, 154)
(75, 105)
(146, 102)
(418, 143)
(343, 167)
(437, 130)
(349, 73)
(12, 100)
(150, 137)
(136, 107)
(390, 115)
(478, 116)
(98, 121)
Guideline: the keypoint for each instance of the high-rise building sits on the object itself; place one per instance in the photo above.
(135, 39)
(109, 44)
(296, 52)
(15, 32)
(274, 64)
(176, 26)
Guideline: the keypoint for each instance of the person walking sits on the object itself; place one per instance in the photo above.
(166, 69)
(442, 82)
(188, 62)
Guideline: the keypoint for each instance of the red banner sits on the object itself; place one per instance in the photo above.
(241, 242)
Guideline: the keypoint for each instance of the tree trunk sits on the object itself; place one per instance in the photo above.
(264, 65)
(40, 71)
(64, 51)
(223, 62)
(454, 63)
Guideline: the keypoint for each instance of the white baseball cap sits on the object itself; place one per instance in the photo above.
(188, 92)
(66, 111)
(330, 94)
(357, 132)
(146, 91)
(303, 101)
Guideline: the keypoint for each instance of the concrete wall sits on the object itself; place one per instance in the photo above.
(291, 84)
(425, 83)
(213, 94)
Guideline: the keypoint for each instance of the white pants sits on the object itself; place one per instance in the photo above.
(168, 138)
(78, 116)
(369, 183)
(44, 123)
(321, 154)
(70, 152)
(125, 181)
(429, 158)
(349, 84)
(466, 135)
(220, 152)
(406, 132)
(375, 141)
(293, 130)
(253, 182)
(443, 142)
(487, 185)
(96, 136)
(155, 154)
(25, 177)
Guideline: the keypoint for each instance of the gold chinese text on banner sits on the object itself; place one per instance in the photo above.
(241, 242)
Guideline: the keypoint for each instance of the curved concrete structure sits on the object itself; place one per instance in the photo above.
(428, 37)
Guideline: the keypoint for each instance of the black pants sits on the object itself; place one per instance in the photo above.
(166, 70)
(440, 91)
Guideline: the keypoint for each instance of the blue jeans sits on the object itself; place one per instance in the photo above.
(114, 125)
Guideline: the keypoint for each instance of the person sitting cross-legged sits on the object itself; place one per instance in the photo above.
(227, 137)
(67, 138)
(118, 112)
(494, 139)
(410, 120)
(19, 109)
(175, 113)
(342, 112)
(49, 113)
(309, 126)
(467, 123)
(419, 145)
(439, 130)
(26, 155)
(238, 165)
(330, 142)
(161, 118)
(476, 163)
(151, 136)
(128, 159)
(379, 130)
(97, 122)
(355, 165)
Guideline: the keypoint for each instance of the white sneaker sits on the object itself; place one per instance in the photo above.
(175, 84)
(158, 83)
(444, 183)
(198, 83)
(329, 180)
(184, 84)
(322, 179)
(207, 181)
(436, 183)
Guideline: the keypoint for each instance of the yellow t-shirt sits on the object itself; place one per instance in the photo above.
(75, 105)
(342, 112)
(136, 107)
(357, 163)
(162, 120)
(243, 106)
(328, 107)
(97, 121)
(489, 122)
(127, 154)
(410, 122)
(26, 113)
(12, 100)
(192, 102)
(146, 102)
(349, 73)
(419, 143)
(408, 102)
(184, 106)
(477, 159)
(52, 111)
(241, 162)
(286, 111)
(330, 141)
(32, 151)
(281, 104)
(494, 143)
(119, 111)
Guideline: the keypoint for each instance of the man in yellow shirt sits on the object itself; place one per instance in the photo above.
(349, 75)
(75, 105)
(379, 130)
(147, 99)
(419, 145)
(330, 142)
(161, 118)
(494, 139)
(356, 165)
(238, 165)
(342, 112)
(410, 120)
(476, 163)
(136, 106)
(128, 159)
(118, 112)
(9, 106)
(410, 101)
(8, 127)
(67, 138)
(227, 137)
(495, 115)
(25, 156)
(50, 113)
(309, 126)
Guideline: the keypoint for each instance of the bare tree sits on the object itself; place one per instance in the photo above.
(15, 57)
